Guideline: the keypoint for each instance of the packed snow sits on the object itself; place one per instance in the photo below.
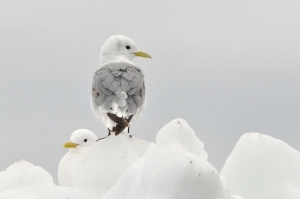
(106, 160)
(173, 167)
(51, 191)
(23, 180)
(262, 167)
(170, 170)
(237, 197)
(21, 174)
(179, 131)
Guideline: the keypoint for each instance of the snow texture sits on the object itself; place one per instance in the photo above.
(179, 131)
(48, 191)
(23, 180)
(262, 167)
(106, 160)
(23, 173)
(168, 170)
(237, 197)
(176, 167)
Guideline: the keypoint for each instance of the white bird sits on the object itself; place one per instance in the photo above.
(79, 140)
(118, 92)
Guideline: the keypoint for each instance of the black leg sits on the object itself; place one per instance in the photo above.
(108, 131)
(105, 137)
(128, 120)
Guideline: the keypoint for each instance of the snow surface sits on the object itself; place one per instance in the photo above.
(169, 170)
(23, 173)
(263, 167)
(23, 180)
(106, 160)
(179, 131)
(237, 197)
(48, 191)
(174, 167)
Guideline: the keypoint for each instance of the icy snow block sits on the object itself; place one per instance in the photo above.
(23, 173)
(169, 171)
(262, 167)
(47, 191)
(179, 131)
(106, 160)
(237, 197)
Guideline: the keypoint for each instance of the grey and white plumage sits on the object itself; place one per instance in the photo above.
(118, 90)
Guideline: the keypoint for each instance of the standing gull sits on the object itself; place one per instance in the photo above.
(118, 92)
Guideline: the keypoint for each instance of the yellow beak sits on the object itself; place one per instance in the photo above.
(70, 145)
(142, 54)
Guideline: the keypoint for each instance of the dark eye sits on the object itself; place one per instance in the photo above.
(85, 140)
(128, 47)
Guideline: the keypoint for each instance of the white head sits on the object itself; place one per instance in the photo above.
(80, 139)
(120, 48)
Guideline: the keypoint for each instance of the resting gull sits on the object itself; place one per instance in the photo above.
(80, 140)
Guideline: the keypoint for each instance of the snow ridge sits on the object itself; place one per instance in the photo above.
(174, 167)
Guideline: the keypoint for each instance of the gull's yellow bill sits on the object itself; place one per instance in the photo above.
(142, 54)
(70, 145)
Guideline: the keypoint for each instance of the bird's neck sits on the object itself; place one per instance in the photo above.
(74, 151)
(105, 58)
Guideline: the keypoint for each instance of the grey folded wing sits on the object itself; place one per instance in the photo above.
(118, 87)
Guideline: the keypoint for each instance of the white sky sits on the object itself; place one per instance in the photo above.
(226, 67)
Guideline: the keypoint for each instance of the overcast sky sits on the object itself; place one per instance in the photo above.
(226, 67)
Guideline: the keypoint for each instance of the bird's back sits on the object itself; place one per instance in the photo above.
(118, 88)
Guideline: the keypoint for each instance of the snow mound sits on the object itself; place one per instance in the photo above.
(106, 160)
(262, 167)
(47, 191)
(237, 197)
(23, 173)
(170, 170)
(179, 131)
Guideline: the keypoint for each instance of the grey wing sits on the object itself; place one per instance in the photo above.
(118, 88)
